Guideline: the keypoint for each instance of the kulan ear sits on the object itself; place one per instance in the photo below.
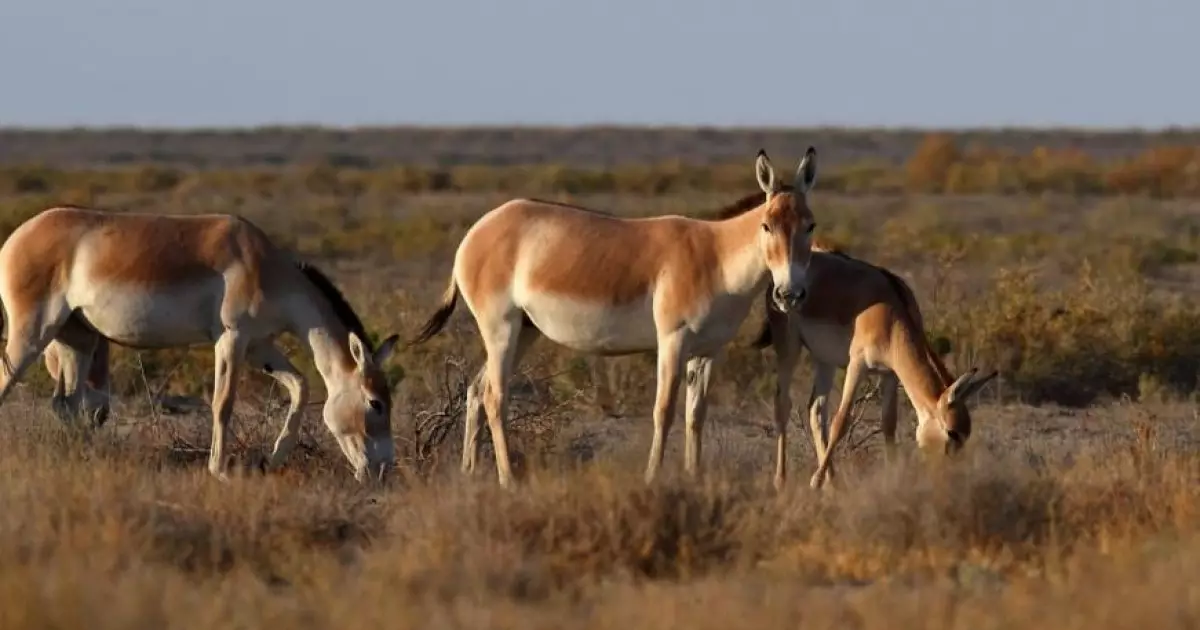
(978, 383)
(384, 351)
(806, 173)
(765, 173)
(358, 351)
(959, 386)
(967, 384)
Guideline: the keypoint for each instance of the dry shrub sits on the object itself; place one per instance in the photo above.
(1096, 337)
(1063, 170)
(913, 519)
(573, 529)
(1160, 172)
(185, 524)
(930, 164)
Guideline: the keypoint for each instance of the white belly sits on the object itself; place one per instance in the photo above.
(718, 326)
(591, 327)
(139, 318)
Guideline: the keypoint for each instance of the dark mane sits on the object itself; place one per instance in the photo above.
(745, 204)
(341, 308)
(829, 247)
(570, 206)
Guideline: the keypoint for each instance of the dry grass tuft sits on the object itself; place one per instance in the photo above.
(99, 530)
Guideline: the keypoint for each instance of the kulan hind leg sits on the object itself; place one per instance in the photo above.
(29, 332)
(670, 365)
(474, 407)
(228, 353)
(501, 340)
(699, 374)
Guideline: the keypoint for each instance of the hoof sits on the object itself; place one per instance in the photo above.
(100, 417)
(221, 477)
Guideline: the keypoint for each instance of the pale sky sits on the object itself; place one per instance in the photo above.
(939, 63)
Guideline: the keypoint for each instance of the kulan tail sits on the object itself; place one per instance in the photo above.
(439, 319)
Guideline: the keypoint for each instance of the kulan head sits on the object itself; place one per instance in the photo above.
(787, 226)
(358, 411)
(948, 426)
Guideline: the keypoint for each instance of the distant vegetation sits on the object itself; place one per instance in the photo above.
(601, 161)
(572, 147)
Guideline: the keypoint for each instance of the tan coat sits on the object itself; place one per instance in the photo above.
(605, 285)
(80, 277)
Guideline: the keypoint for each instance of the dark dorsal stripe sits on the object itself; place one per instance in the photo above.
(737, 208)
(571, 206)
(746, 204)
(341, 308)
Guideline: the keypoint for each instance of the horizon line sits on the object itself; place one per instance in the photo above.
(727, 128)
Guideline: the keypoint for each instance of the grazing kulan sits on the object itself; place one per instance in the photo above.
(604, 285)
(78, 276)
(862, 318)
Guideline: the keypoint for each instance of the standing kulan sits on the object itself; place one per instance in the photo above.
(604, 285)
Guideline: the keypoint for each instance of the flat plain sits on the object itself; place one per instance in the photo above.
(1066, 260)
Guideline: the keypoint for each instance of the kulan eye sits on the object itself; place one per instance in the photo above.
(811, 227)
(376, 405)
(766, 228)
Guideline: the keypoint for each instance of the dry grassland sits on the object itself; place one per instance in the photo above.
(1076, 505)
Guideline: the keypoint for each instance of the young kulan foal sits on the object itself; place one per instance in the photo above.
(862, 318)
